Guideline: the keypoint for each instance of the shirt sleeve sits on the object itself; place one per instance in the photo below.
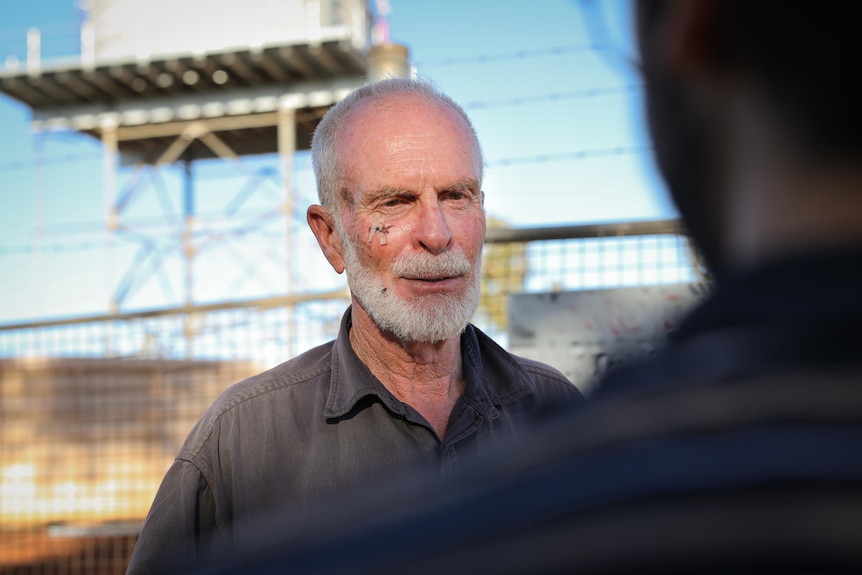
(180, 529)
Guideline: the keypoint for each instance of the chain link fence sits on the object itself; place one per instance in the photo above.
(93, 410)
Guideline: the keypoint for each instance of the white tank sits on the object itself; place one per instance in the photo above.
(150, 29)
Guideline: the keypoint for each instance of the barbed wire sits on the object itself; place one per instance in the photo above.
(572, 155)
(554, 96)
(475, 105)
(48, 161)
(53, 248)
(24, 249)
(538, 158)
(508, 56)
(107, 243)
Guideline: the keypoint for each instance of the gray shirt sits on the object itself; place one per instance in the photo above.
(319, 424)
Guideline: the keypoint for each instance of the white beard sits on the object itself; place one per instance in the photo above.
(429, 318)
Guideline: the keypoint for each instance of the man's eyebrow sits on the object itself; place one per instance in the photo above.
(385, 193)
(462, 185)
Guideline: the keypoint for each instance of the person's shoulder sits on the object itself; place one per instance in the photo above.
(292, 376)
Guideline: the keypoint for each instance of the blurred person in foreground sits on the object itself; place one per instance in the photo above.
(408, 384)
(738, 447)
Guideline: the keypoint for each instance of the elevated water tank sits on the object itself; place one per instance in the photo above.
(153, 29)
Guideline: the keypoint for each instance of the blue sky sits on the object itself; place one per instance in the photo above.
(561, 125)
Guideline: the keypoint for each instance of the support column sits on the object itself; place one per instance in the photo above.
(37, 270)
(189, 330)
(188, 231)
(286, 149)
(110, 153)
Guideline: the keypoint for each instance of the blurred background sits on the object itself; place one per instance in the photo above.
(154, 177)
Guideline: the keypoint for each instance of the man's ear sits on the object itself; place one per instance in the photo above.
(693, 37)
(321, 224)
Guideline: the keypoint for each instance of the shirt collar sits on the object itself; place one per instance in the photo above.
(493, 377)
(351, 379)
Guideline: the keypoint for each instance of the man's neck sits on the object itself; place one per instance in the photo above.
(791, 210)
(780, 200)
(429, 377)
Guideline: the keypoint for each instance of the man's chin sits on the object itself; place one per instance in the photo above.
(430, 336)
(426, 321)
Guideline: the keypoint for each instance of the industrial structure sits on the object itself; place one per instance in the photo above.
(166, 84)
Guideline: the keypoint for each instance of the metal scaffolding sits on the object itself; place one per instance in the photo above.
(169, 109)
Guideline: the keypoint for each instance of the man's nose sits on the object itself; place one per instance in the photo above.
(432, 229)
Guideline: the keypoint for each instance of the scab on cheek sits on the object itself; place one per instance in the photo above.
(378, 227)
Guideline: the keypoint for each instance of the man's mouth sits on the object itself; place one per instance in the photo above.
(430, 279)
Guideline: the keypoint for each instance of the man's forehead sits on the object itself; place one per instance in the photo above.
(372, 117)
(391, 130)
(407, 142)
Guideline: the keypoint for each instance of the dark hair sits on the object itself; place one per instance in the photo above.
(802, 57)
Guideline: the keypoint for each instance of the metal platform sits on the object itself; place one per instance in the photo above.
(236, 93)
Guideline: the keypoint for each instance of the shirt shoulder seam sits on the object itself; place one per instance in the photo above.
(236, 395)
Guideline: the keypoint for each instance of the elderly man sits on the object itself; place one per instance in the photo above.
(408, 383)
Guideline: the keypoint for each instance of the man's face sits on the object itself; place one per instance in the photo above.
(413, 222)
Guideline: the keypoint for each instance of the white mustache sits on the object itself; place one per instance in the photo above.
(428, 266)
